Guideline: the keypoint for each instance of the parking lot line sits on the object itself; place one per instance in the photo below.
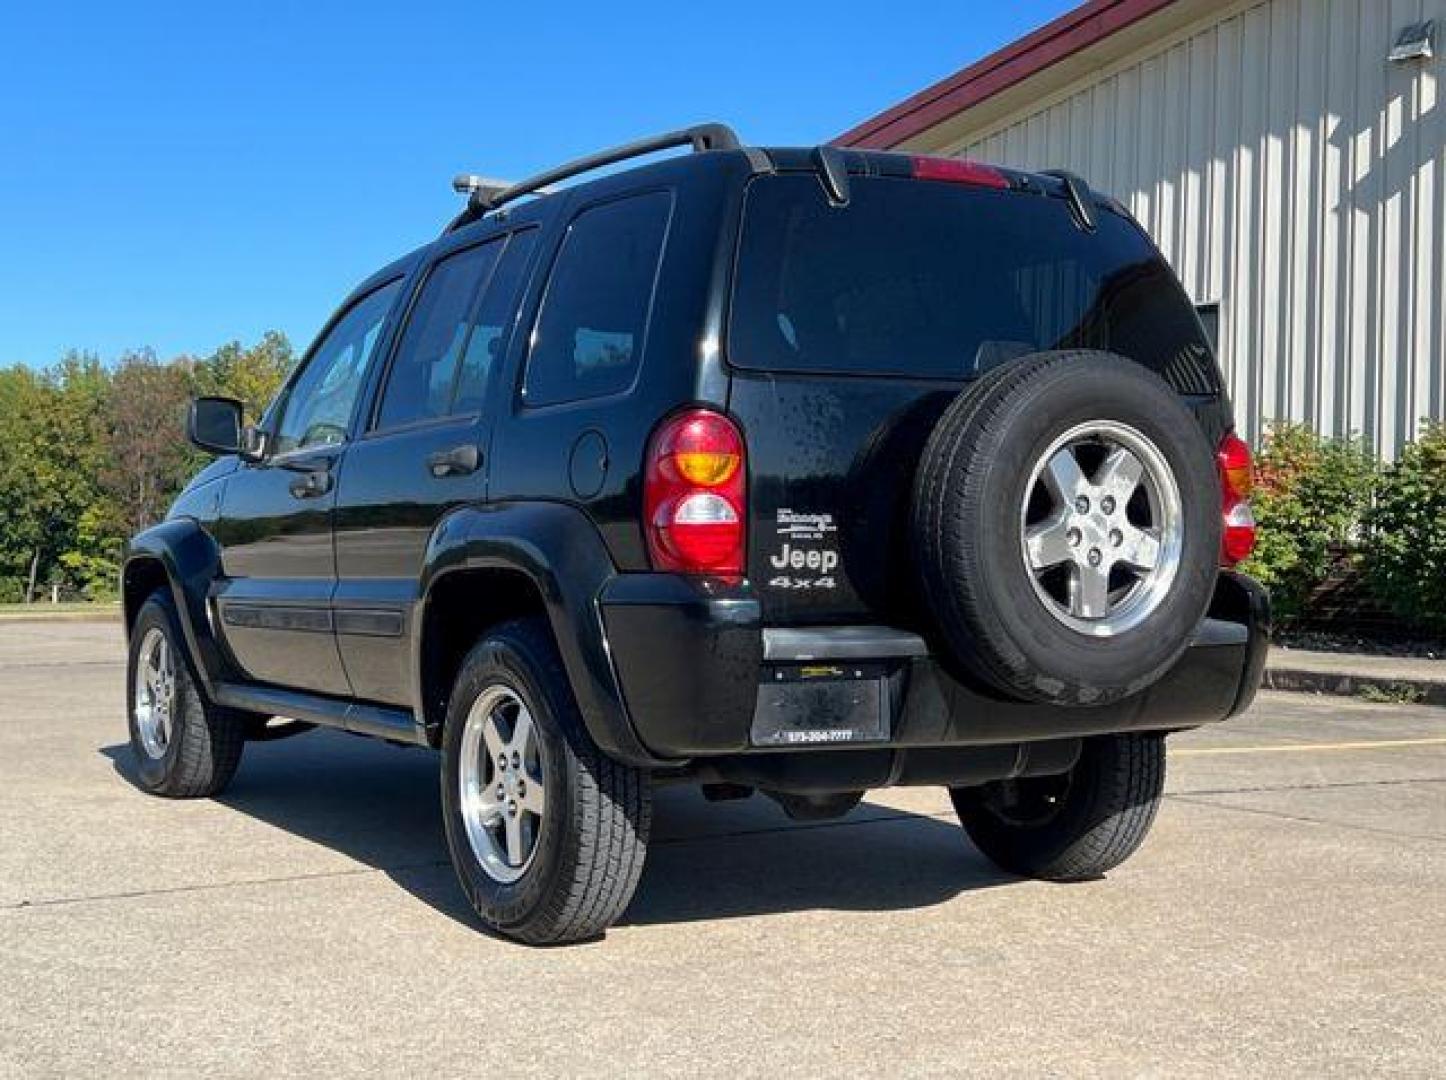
(1286, 748)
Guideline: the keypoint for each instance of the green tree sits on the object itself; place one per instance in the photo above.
(91, 567)
(252, 375)
(90, 453)
(147, 459)
(50, 427)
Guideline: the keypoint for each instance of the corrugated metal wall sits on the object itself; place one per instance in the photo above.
(1292, 174)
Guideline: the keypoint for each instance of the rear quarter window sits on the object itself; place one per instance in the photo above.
(939, 280)
(589, 336)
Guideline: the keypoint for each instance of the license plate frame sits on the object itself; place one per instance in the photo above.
(822, 705)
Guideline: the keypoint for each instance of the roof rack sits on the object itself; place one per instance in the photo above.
(484, 196)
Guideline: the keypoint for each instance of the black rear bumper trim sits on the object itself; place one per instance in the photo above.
(790, 644)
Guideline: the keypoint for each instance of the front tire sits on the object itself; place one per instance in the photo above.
(1072, 827)
(547, 834)
(185, 747)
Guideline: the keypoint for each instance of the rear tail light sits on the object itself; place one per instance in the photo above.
(958, 171)
(1232, 459)
(694, 490)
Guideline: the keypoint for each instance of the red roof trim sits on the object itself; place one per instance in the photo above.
(1072, 32)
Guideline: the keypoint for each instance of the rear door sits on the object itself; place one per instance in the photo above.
(853, 327)
(425, 452)
(277, 562)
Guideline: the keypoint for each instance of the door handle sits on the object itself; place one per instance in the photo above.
(311, 485)
(459, 461)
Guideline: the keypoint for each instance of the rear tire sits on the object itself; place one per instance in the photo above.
(546, 833)
(185, 747)
(1073, 827)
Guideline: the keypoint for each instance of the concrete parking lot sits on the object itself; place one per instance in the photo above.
(1288, 915)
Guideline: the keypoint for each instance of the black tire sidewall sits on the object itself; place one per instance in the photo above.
(509, 660)
(1028, 849)
(1098, 795)
(1025, 650)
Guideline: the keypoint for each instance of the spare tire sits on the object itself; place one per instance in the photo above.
(1066, 521)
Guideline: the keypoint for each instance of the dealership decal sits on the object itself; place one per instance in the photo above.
(807, 557)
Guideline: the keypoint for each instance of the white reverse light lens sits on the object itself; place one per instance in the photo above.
(705, 508)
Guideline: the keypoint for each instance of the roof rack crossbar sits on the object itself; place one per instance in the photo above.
(700, 137)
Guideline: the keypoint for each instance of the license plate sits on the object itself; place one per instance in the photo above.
(811, 705)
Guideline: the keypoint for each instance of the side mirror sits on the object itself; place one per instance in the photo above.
(214, 424)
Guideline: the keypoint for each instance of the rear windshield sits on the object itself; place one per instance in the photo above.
(941, 280)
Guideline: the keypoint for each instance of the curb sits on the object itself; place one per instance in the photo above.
(1356, 685)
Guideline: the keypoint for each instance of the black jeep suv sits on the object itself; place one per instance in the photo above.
(795, 471)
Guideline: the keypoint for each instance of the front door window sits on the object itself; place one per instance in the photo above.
(319, 403)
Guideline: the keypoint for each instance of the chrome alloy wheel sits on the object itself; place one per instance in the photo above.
(1102, 528)
(155, 693)
(501, 777)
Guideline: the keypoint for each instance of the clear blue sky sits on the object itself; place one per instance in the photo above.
(176, 175)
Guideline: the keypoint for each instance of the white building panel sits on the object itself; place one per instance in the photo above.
(1293, 175)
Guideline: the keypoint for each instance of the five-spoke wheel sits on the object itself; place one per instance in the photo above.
(1102, 528)
(155, 693)
(502, 785)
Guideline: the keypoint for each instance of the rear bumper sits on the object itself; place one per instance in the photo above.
(697, 669)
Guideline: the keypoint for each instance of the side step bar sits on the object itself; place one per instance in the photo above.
(380, 721)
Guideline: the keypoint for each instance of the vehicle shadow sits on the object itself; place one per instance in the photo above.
(379, 805)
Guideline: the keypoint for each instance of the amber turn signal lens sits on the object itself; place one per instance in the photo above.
(1237, 474)
(1237, 478)
(706, 469)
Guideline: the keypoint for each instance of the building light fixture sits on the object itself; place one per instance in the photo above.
(1416, 42)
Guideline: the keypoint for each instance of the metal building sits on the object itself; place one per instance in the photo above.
(1289, 157)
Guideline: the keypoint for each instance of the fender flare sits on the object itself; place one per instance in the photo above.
(559, 548)
(190, 559)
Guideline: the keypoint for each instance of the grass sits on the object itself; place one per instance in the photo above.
(66, 609)
(1392, 694)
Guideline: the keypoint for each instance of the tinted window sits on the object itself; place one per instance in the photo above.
(319, 403)
(943, 280)
(589, 337)
(424, 367)
(490, 326)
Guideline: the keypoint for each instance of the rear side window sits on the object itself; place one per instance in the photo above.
(489, 328)
(589, 336)
(424, 367)
(944, 281)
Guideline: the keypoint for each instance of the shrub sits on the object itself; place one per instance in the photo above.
(1405, 551)
(1311, 493)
